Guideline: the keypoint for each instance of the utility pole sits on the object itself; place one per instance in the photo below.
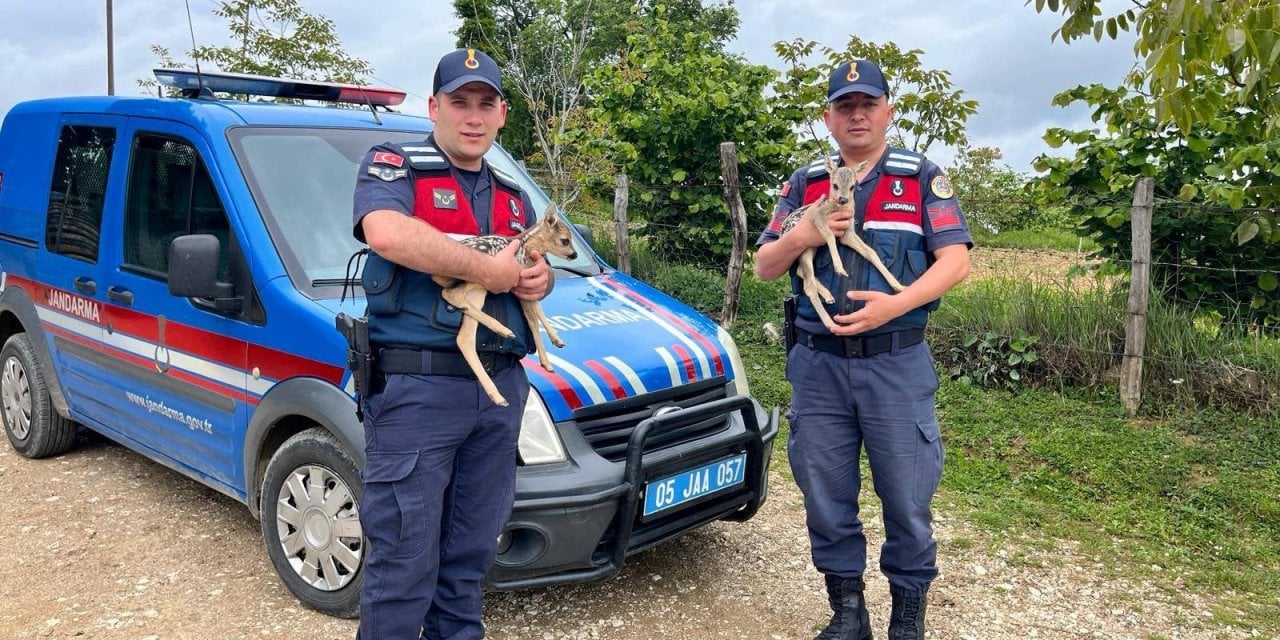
(111, 55)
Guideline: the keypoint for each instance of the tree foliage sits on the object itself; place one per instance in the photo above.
(1233, 45)
(667, 105)
(547, 47)
(1210, 181)
(927, 106)
(279, 38)
(993, 194)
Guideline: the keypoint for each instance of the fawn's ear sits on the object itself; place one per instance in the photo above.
(831, 166)
(549, 216)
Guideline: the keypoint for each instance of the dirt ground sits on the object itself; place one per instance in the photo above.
(103, 543)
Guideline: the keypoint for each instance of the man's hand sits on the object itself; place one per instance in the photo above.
(880, 308)
(502, 272)
(535, 280)
(838, 221)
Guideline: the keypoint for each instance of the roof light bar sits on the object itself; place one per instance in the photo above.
(188, 81)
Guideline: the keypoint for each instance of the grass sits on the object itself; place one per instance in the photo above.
(1056, 239)
(1193, 491)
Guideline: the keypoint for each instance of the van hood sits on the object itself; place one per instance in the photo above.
(622, 338)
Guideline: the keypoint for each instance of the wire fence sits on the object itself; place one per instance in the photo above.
(1069, 303)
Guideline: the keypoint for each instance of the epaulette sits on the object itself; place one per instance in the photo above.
(423, 157)
(505, 179)
(818, 168)
(900, 162)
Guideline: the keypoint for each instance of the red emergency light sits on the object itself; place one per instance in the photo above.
(192, 83)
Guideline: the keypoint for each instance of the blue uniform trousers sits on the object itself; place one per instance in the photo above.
(439, 482)
(884, 403)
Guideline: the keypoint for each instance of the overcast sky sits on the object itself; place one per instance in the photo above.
(998, 51)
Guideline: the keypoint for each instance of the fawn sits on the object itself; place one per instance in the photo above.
(549, 235)
(843, 182)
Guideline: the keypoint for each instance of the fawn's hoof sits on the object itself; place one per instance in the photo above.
(559, 344)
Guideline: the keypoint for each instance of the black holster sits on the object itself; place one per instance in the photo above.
(359, 356)
(789, 322)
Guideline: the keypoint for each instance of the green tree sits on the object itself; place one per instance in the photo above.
(927, 106)
(1199, 203)
(1231, 44)
(994, 194)
(547, 47)
(276, 38)
(667, 105)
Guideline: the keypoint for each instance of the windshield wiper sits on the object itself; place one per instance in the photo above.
(335, 282)
(576, 271)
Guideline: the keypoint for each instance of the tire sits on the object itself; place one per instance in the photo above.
(311, 522)
(34, 427)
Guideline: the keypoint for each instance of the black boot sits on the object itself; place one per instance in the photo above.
(906, 621)
(850, 620)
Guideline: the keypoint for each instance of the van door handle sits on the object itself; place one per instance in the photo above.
(120, 294)
(85, 284)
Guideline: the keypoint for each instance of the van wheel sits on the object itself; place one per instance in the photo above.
(34, 427)
(311, 522)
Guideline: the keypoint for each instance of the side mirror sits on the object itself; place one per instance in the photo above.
(587, 234)
(193, 273)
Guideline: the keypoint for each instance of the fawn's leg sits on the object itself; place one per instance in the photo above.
(815, 290)
(469, 299)
(851, 240)
(533, 316)
(820, 220)
(467, 345)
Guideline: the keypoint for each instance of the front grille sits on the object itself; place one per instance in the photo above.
(608, 426)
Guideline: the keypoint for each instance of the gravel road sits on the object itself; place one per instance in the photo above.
(103, 543)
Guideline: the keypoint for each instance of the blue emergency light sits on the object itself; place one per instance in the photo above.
(191, 83)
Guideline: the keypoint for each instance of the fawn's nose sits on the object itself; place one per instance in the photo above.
(843, 200)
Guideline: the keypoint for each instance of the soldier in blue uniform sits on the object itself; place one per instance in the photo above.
(870, 381)
(439, 480)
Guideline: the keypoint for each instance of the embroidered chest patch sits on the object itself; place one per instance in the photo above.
(444, 198)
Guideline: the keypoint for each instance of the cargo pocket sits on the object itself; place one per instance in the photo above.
(445, 316)
(381, 282)
(928, 462)
(795, 452)
(395, 502)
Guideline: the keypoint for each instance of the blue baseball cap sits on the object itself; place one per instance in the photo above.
(459, 67)
(863, 76)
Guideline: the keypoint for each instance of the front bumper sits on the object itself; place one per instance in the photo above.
(578, 521)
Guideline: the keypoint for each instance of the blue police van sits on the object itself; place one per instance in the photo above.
(217, 355)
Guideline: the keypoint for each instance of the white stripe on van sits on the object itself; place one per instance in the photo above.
(593, 389)
(628, 373)
(696, 350)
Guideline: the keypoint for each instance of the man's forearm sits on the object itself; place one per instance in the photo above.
(775, 258)
(412, 243)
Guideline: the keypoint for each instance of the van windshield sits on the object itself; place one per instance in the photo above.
(302, 180)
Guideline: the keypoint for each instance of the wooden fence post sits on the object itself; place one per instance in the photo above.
(1135, 321)
(738, 214)
(620, 223)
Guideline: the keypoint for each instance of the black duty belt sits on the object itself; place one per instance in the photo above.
(440, 363)
(860, 346)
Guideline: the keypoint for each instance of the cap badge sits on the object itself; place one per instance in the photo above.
(853, 73)
(471, 62)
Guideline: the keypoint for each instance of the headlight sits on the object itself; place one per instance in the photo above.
(739, 381)
(539, 442)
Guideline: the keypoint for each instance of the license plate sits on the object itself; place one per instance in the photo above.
(673, 491)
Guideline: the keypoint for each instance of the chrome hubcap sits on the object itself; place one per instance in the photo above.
(15, 392)
(318, 522)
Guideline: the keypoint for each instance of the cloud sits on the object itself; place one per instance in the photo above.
(998, 52)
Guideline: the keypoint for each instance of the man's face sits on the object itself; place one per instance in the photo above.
(858, 122)
(467, 121)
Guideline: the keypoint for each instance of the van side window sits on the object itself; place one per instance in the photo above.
(78, 192)
(170, 195)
